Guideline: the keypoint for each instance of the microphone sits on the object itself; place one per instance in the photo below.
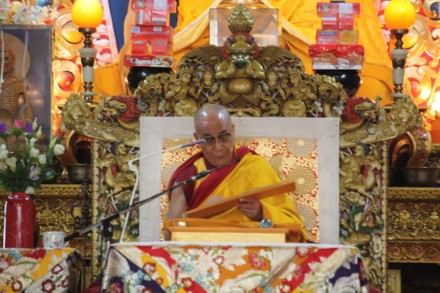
(206, 172)
(200, 141)
(134, 169)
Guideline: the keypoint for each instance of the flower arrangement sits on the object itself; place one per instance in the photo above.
(26, 13)
(23, 166)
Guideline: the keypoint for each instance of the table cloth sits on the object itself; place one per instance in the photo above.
(39, 270)
(231, 267)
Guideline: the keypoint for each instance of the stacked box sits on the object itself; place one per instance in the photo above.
(337, 42)
(153, 12)
(338, 15)
(332, 56)
(335, 37)
(151, 36)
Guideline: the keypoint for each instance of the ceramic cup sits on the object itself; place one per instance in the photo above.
(54, 239)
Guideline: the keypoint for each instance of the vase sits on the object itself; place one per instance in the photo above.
(20, 227)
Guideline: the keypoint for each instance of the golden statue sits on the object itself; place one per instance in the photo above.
(14, 101)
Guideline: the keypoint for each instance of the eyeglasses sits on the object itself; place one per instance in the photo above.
(222, 139)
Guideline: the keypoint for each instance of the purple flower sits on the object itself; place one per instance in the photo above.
(28, 128)
(3, 128)
(34, 173)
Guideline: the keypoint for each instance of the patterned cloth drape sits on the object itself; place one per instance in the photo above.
(38, 270)
(183, 267)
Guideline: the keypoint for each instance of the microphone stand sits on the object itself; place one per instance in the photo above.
(105, 222)
(135, 169)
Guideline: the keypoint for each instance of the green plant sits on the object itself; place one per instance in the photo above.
(24, 162)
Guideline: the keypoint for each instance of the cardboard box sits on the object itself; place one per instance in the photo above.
(151, 40)
(148, 61)
(339, 8)
(345, 37)
(345, 21)
(333, 62)
(152, 17)
(329, 21)
(163, 5)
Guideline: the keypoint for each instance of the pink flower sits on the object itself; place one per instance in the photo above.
(18, 123)
(257, 261)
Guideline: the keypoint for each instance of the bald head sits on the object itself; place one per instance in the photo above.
(212, 112)
(213, 124)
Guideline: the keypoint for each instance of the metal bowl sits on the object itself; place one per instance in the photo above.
(420, 176)
(79, 173)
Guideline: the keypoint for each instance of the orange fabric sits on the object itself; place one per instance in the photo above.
(108, 81)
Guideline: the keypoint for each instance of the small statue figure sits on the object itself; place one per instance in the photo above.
(357, 171)
(294, 108)
(117, 175)
(182, 87)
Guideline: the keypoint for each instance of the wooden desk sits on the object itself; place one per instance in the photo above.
(39, 270)
(233, 267)
(206, 234)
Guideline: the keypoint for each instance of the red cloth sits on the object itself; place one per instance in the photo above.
(318, 50)
(349, 114)
(374, 290)
(95, 287)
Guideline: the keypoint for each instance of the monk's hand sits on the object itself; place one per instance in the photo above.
(251, 208)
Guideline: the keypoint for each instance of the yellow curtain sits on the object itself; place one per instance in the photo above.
(110, 79)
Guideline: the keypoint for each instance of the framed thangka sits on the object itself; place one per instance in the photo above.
(26, 74)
